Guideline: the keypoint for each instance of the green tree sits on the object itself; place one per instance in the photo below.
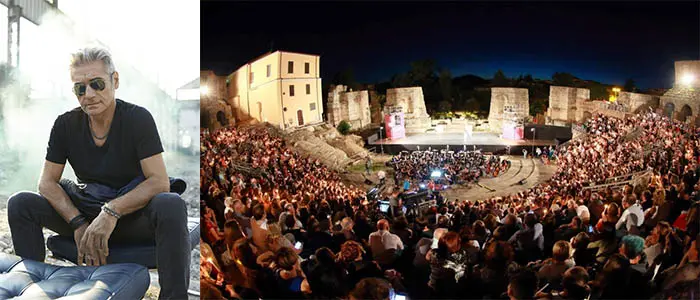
(347, 78)
(344, 127)
(499, 79)
(401, 80)
(563, 79)
(472, 105)
(538, 106)
(422, 71)
(446, 85)
(445, 106)
(630, 86)
(599, 92)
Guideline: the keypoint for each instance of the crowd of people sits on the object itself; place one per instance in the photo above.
(278, 225)
(456, 167)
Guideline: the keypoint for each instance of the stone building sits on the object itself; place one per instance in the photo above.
(562, 104)
(573, 105)
(412, 103)
(508, 105)
(282, 88)
(348, 105)
(682, 102)
(214, 111)
(636, 102)
(375, 107)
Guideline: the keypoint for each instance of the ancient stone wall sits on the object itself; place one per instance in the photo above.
(682, 102)
(687, 67)
(375, 108)
(411, 101)
(562, 104)
(350, 106)
(215, 114)
(507, 105)
(637, 102)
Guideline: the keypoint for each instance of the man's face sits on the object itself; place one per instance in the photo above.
(95, 101)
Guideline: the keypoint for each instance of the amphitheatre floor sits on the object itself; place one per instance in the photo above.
(532, 171)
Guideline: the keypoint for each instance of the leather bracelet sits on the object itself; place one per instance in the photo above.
(77, 221)
(110, 211)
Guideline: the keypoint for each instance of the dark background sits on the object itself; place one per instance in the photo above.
(362, 42)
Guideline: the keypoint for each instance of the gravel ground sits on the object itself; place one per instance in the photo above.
(179, 165)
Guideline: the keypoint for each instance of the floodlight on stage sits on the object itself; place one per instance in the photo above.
(436, 173)
(688, 79)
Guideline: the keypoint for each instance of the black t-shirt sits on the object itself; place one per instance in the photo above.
(132, 137)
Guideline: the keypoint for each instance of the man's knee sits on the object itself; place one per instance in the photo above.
(21, 202)
(169, 206)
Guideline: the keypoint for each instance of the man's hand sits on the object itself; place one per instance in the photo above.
(94, 246)
(78, 236)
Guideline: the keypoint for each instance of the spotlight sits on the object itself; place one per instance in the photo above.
(422, 185)
(204, 90)
(436, 173)
(688, 79)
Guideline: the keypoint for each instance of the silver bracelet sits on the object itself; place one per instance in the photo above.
(110, 211)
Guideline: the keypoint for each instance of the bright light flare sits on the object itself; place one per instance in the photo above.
(204, 90)
(688, 79)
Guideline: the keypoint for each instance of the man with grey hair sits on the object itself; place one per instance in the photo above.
(122, 195)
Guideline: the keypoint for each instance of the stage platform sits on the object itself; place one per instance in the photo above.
(486, 141)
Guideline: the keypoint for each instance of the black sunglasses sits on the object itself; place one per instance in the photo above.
(97, 84)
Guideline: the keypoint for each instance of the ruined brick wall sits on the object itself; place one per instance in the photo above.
(411, 101)
(687, 67)
(352, 107)
(375, 108)
(334, 113)
(507, 104)
(563, 102)
(638, 102)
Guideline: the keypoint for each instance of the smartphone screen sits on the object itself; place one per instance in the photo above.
(298, 245)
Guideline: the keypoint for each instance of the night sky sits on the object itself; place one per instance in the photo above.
(606, 42)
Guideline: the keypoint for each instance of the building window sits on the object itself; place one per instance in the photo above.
(290, 67)
(306, 68)
(251, 77)
(269, 70)
(312, 106)
(308, 89)
(291, 90)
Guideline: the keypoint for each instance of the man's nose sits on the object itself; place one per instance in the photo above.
(89, 91)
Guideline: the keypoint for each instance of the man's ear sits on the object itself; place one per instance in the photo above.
(115, 78)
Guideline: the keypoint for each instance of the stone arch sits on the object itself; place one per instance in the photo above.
(587, 115)
(221, 118)
(686, 112)
(669, 108)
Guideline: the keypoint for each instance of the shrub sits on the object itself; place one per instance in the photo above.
(344, 127)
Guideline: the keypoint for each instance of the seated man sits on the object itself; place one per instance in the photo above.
(383, 240)
(122, 195)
